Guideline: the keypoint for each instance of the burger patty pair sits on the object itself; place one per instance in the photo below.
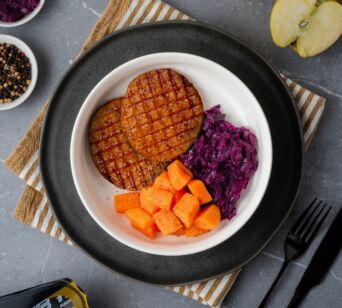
(133, 138)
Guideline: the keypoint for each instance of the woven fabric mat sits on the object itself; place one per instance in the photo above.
(33, 207)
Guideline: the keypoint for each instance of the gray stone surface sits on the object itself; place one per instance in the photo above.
(28, 257)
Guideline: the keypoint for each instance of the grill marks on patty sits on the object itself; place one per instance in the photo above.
(161, 114)
(113, 156)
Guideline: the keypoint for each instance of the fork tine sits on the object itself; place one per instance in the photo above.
(302, 216)
(309, 227)
(308, 219)
(309, 237)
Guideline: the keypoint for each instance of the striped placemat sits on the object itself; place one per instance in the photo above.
(33, 207)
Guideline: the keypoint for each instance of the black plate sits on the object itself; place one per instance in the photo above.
(253, 70)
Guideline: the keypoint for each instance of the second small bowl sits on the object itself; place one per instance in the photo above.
(34, 70)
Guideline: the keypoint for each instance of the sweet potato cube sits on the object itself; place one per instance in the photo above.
(162, 182)
(186, 209)
(177, 195)
(179, 175)
(198, 189)
(209, 218)
(126, 201)
(161, 198)
(179, 232)
(150, 232)
(146, 202)
(194, 231)
(139, 218)
(167, 222)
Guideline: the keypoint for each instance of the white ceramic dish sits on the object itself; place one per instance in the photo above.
(25, 19)
(34, 70)
(216, 85)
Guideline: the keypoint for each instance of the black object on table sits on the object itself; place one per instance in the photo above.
(300, 237)
(29, 297)
(323, 258)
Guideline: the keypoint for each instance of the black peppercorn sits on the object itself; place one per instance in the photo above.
(15, 73)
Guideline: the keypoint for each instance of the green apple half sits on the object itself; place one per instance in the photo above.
(309, 26)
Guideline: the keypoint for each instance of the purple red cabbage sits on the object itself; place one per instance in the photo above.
(224, 158)
(14, 10)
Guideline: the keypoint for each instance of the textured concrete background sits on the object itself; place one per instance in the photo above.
(28, 257)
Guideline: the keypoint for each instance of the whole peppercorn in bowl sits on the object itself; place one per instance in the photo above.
(18, 72)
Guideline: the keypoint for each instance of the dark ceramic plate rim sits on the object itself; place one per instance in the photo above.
(128, 29)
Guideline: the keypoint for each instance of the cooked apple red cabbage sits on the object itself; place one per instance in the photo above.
(200, 186)
(14, 10)
(224, 158)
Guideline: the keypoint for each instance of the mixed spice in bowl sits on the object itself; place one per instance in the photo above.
(15, 73)
(18, 72)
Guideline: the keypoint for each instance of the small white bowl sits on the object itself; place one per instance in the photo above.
(25, 19)
(216, 85)
(34, 70)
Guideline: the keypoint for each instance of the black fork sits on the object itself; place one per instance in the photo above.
(300, 237)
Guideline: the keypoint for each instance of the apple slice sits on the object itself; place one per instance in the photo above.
(286, 18)
(324, 30)
(310, 26)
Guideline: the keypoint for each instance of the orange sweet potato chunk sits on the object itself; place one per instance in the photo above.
(194, 231)
(139, 218)
(179, 175)
(126, 201)
(161, 198)
(167, 222)
(209, 218)
(198, 189)
(179, 232)
(150, 232)
(186, 209)
(178, 194)
(146, 202)
(162, 182)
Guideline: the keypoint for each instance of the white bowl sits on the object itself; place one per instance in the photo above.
(25, 19)
(34, 70)
(216, 85)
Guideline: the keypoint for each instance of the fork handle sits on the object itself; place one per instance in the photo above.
(275, 282)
